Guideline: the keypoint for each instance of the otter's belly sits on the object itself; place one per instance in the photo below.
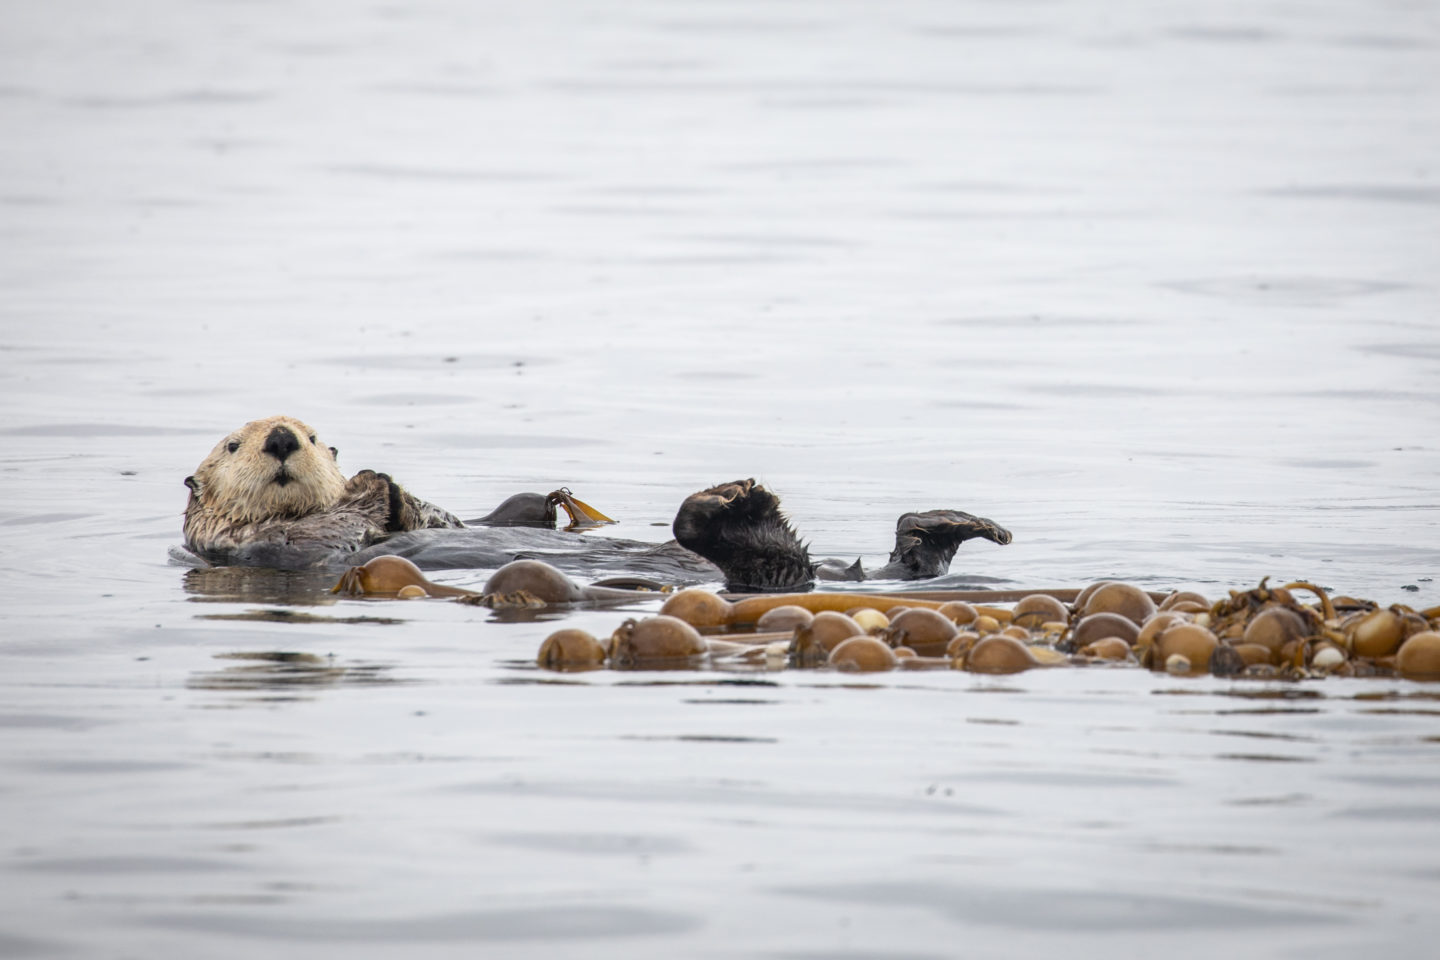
(592, 556)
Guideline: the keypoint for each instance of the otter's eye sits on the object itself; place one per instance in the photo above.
(312, 439)
(233, 445)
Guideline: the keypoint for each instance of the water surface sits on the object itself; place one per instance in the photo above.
(1153, 287)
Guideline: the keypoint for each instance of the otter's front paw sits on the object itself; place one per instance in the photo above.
(739, 527)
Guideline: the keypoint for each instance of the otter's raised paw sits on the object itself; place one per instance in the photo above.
(739, 527)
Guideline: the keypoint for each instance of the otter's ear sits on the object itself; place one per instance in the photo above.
(193, 484)
(335, 454)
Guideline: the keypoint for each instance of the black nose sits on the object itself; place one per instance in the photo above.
(281, 443)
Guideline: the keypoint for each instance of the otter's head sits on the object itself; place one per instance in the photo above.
(268, 468)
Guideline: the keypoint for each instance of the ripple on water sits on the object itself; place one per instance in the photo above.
(1409, 351)
(434, 361)
(595, 844)
(1039, 321)
(399, 172)
(1067, 910)
(41, 721)
(1391, 813)
(1369, 192)
(21, 948)
(558, 921)
(183, 98)
(1265, 758)
(727, 796)
(1297, 291)
(85, 767)
(125, 865)
(1395, 396)
(1071, 779)
(1105, 390)
(464, 91)
(47, 519)
(1320, 463)
(488, 255)
(1223, 35)
(853, 955)
(100, 430)
(414, 399)
(512, 441)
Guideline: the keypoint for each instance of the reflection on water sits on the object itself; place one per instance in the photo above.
(1068, 910)
(280, 672)
(260, 585)
(1384, 193)
(555, 922)
(291, 616)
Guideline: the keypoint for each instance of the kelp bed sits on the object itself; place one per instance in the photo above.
(1266, 633)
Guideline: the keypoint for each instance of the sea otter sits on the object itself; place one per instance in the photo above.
(271, 494)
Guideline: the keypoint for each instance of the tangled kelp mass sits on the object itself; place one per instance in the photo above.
(1267, 633)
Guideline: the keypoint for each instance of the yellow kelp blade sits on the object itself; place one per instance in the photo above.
(581, 513)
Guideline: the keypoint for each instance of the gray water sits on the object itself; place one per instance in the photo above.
(1152, 285)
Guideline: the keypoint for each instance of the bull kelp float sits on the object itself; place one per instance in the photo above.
(1268, 633)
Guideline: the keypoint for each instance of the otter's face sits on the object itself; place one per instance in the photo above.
(268, 468)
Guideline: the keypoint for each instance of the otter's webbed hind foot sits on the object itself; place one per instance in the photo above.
(520, 510)
(739, 528)
(926, 542)
(538, 510)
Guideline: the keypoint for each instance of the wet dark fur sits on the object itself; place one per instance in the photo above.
(926, 542)
(738, 527)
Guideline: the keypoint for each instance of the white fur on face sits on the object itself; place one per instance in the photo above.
(241, 483)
